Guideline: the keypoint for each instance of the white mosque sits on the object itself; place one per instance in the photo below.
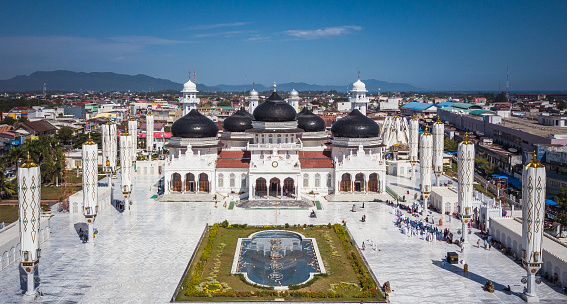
(274, 152)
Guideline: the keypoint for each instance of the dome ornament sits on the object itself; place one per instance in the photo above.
(274, 86)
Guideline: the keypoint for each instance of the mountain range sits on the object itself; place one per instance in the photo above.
(68, 81)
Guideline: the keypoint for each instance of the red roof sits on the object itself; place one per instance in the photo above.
(315, 159)
(233, 159)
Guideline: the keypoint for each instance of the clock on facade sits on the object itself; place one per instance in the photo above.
(275, 164)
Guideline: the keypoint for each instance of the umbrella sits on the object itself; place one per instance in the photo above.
(550, 202)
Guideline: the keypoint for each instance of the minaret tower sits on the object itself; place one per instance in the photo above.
(253, 101)
(29, 193)
(126, 166)
(414, 142)
(149, 133)
(465, 157)
(133, 130)
(109, 149)
(189, 99)
(357, 98)
(533, 195)
(293, 100)
(438, 146)
(425, 160)
(90, 184)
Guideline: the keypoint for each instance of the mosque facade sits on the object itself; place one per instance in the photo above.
(272, 151)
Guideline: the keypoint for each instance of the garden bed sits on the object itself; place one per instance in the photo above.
(209, 277)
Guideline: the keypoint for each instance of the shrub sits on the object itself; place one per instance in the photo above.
(224, 224)
(286, 225)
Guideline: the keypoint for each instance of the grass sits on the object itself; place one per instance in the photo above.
(8, 213)
(54, 193)
(451, 171)
(219, 264)
(481, 188)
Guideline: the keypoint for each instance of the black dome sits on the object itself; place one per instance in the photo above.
(274, 109)
(237, 122)
(194, 125)
(247, 113)
(355, 125)
(310, 122)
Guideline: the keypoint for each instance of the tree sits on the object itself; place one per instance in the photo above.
(9, 121)
(65, 133)
(561, 200)
(83, 137)
(485, 165)
(501, 97)
(22, 119)
(451, 145)
(7, 187)
(561, 105)
(224, 103)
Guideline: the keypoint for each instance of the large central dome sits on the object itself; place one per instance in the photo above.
(274, 109)
(194, 125)
(355, 125)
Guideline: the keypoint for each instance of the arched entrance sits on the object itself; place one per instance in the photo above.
(288, 186)
(176, 182)
(275, 187)
(261, 189)
(203, 182)
(373, 182)
(359, 182)
(190, 182)
(345, 183)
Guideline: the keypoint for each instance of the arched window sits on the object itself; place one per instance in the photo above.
(232, 180)
(329, 181)
(306, 180)
(221, 181)
(243, 180)
(317, 180)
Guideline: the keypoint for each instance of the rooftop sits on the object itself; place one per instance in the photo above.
(531, 126)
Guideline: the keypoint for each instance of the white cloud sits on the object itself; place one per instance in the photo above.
(215, 26)
(224, 34)
(324, 32)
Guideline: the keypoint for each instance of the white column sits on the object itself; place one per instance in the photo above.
(90, 184)
(533, 194)
(413, 143)
(425, 161)
(438, 146)
(150, 133)
(126, 166)
(109, 149)
(465, 179)
(133, 130)
(29, 188)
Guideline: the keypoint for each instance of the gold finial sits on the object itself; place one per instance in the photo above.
(28, 163)
(426, 132)
(413, 117)
(107, 163)
(395, 114)
(109, 122)
(438, 122)
(125, 132)
(90, 141)
(534, 163)
(466, 141)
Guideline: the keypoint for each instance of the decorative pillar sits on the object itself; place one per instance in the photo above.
(438, 146)
(414, 143)
(533, 199)
(29, 193)
(149, 133)
(109, 149)
(465, 179)
(126, 166)
(90, 185)
(133, 130)
(425, 161)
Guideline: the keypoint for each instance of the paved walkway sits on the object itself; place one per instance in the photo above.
(140, 255)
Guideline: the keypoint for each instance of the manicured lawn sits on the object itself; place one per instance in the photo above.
(339, 267)
(8, 214)
(54, 193)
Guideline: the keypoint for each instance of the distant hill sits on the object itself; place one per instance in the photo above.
(107, 81)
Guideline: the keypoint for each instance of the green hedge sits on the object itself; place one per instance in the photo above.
(200, 267)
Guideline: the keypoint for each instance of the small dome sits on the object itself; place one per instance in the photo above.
(194, 125)
(274, 109)
(303, 111)
(358, 86)
(238, 122)
(355, 125)
(190, 87)
(253, 93)
(310, 122)
(294, 93)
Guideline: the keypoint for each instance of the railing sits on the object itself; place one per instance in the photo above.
(393, 194)
(282, 146)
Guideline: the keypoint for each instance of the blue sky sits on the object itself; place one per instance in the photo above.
(438, 45)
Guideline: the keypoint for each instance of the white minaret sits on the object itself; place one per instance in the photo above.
(133, 130)
(293, 100)
(29, 193)
(438, 146)
(126, 166)
(109, 148)
(533, 199)
(425, 161)
(358, 99)
(465, 157)
(253, 101)
(90, 184)
(149, 133)
(413, 142)
(189, 99)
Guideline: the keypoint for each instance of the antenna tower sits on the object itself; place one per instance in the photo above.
(507, 85)
(44, 90)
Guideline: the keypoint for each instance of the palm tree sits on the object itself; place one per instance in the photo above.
(7, 187)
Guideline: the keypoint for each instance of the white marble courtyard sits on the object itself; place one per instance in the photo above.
(140, 255)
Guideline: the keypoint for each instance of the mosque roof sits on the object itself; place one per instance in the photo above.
(315, 159)
(237, 122)
(355, 125)
(194, 125)
(310, 122)
(233, 159)
(274, 109)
